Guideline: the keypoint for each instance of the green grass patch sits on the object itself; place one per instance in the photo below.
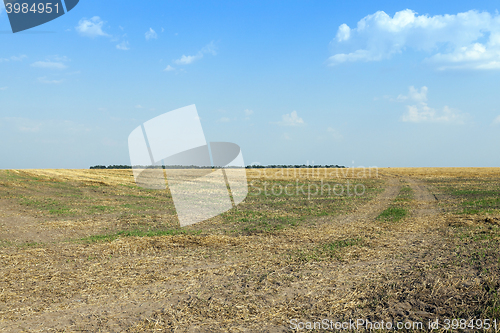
(100, 209)
(470, 196)
(138, 233)
(393, 214)
(484, 205)
(264, 211)
(404, 195)
(48, 205)
(138, 206)
(141, 196)
(476, 248)
(330, 250)
(398, 209)
(339, 244)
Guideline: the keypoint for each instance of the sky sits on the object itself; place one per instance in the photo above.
(386, 83)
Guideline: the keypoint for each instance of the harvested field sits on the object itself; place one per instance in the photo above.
(87, 250)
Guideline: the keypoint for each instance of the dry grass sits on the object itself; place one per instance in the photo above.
(442, 172)
(433, 263)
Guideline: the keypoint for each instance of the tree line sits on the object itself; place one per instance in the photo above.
(277, 166)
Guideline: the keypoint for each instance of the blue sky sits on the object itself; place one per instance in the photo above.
(396, 84)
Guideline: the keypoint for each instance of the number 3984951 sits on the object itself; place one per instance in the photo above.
(25, 8)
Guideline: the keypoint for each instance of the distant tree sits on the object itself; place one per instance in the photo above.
(210, 167)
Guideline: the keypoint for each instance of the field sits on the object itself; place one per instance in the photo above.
(88, 250)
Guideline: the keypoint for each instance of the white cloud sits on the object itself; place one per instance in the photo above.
(91, 28)
(124, 46)
(224, 120)
(334, 133)
(421, 112)
(186, 60)
(151, 34)
(3, 88)
(18, 58)
(291, 119)
(344, 33)
(45, 80)
(496, 120)
(31, 127)
(209, 48)
(415, 95)
(138, 106)
(286, 136)
(169, 69)
(469, 40)
(49, 65)
(14, 58)
(248, 113)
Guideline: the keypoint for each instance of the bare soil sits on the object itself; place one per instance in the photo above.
(341, 266)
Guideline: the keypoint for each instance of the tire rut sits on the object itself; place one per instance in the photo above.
(372, 209)
(326, 227)
(426, 202)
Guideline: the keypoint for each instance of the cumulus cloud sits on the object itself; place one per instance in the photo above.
(169, 68)
(91, 28)
(423, 113)
(469, 40)
(415, 95)
(344, 33)
(291, 119)
(151, 34)
(186, 60)
(124, 46)
(420, 112)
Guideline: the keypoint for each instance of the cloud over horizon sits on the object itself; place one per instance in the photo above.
(291, 119)
(420, 112)
(469, 40)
